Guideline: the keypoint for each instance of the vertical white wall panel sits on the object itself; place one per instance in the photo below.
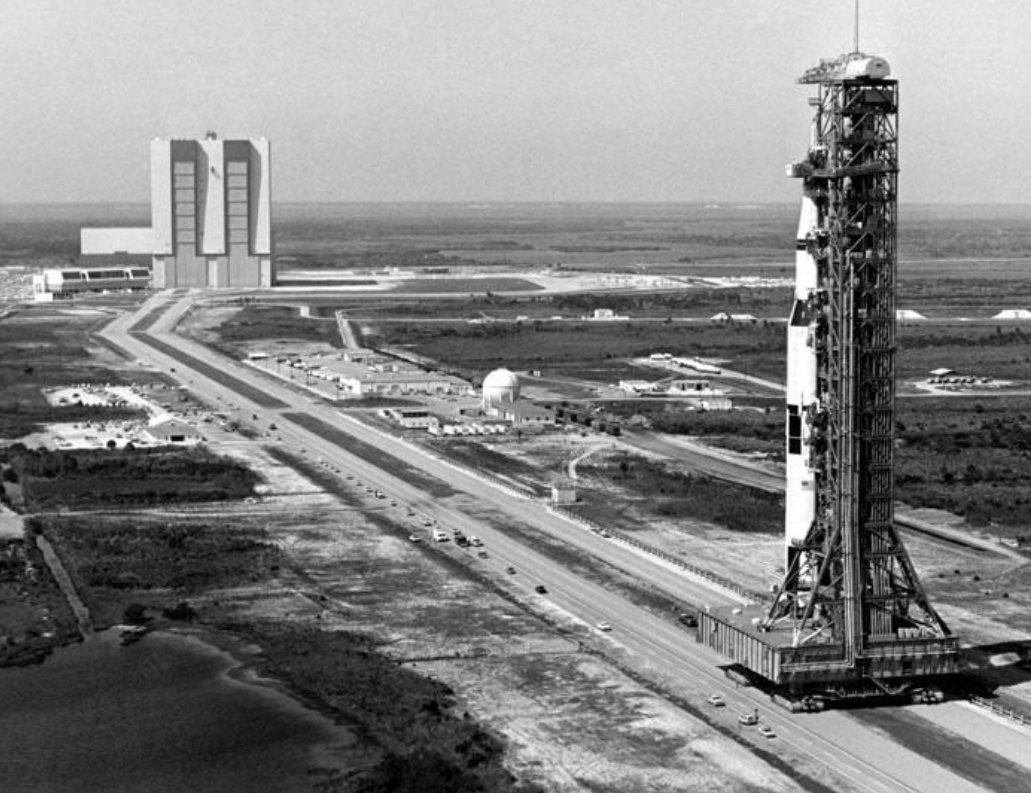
(261, 198)
(161, 195)
(211, 180)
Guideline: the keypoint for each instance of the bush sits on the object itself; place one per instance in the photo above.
(135, 614)
(181, 611)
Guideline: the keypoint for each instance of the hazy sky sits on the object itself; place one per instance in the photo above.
(502, 100)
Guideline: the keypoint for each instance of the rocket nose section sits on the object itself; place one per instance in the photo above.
(808, 218)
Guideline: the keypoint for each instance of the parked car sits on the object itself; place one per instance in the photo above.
(475, 541)
(414, 538)
(688, 619)
(484, 555)
(439, 536)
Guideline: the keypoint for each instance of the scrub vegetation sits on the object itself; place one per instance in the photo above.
(34, 615)
(972, 458)
(671, 493)
(750, 430)
(587, 349)
(153, 563)
(427, 747)
(97, 478)
(259, 322)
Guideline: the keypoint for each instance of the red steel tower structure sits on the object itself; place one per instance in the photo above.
(850, 617)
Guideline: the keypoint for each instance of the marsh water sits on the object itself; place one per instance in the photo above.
(163, 714)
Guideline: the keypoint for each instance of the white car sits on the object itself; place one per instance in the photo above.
(716, 700)
(603, 626)
(767, 732)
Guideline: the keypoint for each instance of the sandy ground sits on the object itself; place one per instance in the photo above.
(11, 523)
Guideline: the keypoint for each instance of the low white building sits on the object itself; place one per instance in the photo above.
(389, 383)
(726, 316)
(524, 414)
(607, 315)
(637, 386)
(174, 431)
(714, 403)
(563, 492)
(414, 418)
(693, 387)
(57, 283)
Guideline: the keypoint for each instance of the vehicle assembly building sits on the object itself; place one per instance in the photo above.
(210, 215)
(850, 617)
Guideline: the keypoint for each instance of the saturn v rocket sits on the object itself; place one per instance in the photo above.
(802, 406)
(807, 326)
(802, 393)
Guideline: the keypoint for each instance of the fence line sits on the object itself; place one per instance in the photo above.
(1009, 713)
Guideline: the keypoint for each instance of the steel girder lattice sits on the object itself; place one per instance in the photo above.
(852, 585)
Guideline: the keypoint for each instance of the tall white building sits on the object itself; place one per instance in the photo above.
(210, 215)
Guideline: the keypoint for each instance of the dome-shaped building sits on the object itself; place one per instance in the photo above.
(500, 387)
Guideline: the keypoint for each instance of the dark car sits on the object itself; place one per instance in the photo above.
(540, 589)
(511, 571)
(688, 619)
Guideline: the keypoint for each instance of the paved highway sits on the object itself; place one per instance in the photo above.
(868, 759)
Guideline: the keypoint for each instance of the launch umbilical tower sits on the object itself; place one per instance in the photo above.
(850, 616)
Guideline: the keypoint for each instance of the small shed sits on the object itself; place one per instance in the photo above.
(563, 492)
